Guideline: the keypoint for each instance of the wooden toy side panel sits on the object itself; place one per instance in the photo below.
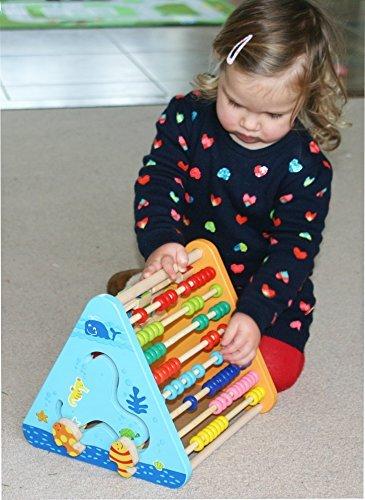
(119, 394)
(212, 258)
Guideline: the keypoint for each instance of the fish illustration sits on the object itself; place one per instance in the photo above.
(124, 453)
(98, 329)
(129, 433)
(158, 465)
(76, 392)
(66, 433)
(42, 416)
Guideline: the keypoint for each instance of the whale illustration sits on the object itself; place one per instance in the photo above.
(98, 329)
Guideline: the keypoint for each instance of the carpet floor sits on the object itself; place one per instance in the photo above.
(67, 225)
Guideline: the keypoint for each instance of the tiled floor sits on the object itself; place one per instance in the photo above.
(105, 67)
(112, 67)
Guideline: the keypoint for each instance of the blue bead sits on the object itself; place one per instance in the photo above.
(189, 377)
(200, 369)
(172, 390)
(178, 385)
(218, 357)
(193, 401)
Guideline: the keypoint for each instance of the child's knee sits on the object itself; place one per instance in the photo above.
(284, 362)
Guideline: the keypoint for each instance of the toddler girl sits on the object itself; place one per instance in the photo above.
(238, 162)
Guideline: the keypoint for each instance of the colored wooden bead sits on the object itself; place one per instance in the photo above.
(213, 338)
(150, 332)
(221, 379)
(217, 289)
(203, 321)
(257, 394)
(194, 304)
(198, 370)
(193, 402)
(218, 358)
(155, 352)
(166, 370)
(143, 313)
(210, 432)
(220, 310)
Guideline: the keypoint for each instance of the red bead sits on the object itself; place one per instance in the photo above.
(212, 273)
(194, 281)
(173, 296)
(157, 376)
(213, 338)
(200, 279)
(187, 287)
(163, 302)
(222, 326)
(167, 370)
(143, 313)
(210, 344)
(205, 275)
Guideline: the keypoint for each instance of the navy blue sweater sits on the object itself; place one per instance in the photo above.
(263, 209)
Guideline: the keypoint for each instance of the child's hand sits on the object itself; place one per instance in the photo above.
(240, 340)
(165, 257)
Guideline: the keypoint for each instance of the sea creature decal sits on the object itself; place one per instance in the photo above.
(124, 453)
(67, 433)
(42, 417)
(98, 329)
(76, 393)
(158, 465)
(129, 433)
(135, 403)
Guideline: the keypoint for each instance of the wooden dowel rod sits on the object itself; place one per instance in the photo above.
(197, 348)
(187, 330)
(155, 305)
(134, 291)
(144, 301)
(232, 429)
(180, 409)
(209, 362)
(239, 408)
(209, 411)
(197, 420)
(181, 312)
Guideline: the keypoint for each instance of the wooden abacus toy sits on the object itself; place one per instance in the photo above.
(102, 403)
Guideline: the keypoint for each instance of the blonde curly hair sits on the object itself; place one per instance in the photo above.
(284, 31)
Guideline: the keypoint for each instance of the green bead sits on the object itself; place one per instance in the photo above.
(140, 338)
(199, 301)
(220, 310)
(159, 328)
(149, 357)
(155, 352)
(218, 290)
(190, 306)
(203, 321)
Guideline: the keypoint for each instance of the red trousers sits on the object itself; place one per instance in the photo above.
(284, 362)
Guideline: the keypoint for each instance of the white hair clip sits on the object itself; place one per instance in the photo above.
(237, 49)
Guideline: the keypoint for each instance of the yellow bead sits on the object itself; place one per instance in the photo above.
(257, 394)
(211, 433)
(198, 440)
(204, 436)
(223, 422)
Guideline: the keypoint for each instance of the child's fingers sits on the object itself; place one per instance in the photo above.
(182, 260)
(228, 336)
(237, 344)
(168, 265)
(238, 358)
(151, 268)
